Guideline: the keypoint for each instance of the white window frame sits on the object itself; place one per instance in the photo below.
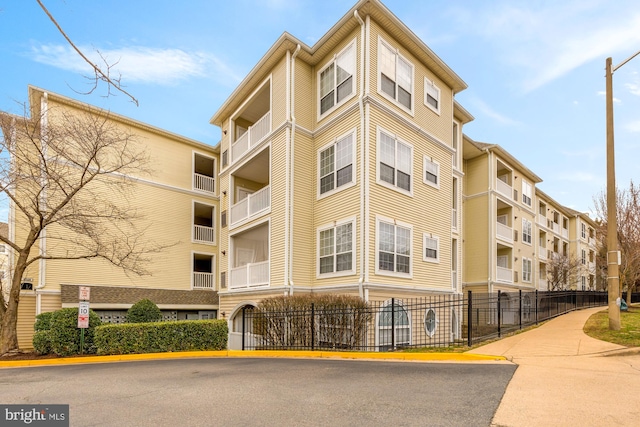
(526, 271)
(193, 171)
(395, 224)
(334, 226)
(583, 257)
(398, 58)
(430, 238)
(527, 231)
(336, 58)
(398, 328)
(429, 161)
(397, 142)
(429, 332)
(583, 231)
(351, 134)
(213, 223)
(431, 89)
(527, 189)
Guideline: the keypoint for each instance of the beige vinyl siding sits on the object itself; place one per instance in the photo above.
(427, 211)
(476, 235)
(303, 211)
(476, 178)
(305, 95)
(50, 302)
(26, 319)
(278, 204)
(278, 93)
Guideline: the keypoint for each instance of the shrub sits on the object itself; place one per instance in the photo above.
(144, 311)
(338, 321)
(64, 333)
(43, 321)
(41, 342)
(155, 337)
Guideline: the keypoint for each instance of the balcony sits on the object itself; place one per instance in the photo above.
(204, 183)
(251, 206)
(250, 275)
(504, 274)
(504, 232)
(565, 233)
(542, 220)
(542, 253)
(203, 234)
(254, 135)
(203, 280)
(542, 284)
(504, 188)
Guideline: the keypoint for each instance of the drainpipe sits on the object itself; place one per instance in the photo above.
(362, 174)
(287, 173)
(492, 225)
(42, 267)
(291, 158)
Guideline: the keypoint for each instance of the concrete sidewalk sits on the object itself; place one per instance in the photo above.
(566, 378)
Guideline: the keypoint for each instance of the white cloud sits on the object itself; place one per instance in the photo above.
(633, 127)
(603, 93)
(137, 63)
(491, 113)
(634, 88)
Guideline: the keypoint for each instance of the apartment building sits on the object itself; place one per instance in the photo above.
(340, 168)
(178, 203)
(515, 235)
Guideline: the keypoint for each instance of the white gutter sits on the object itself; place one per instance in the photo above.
(292, 93)
(362, 174)
(44, 122)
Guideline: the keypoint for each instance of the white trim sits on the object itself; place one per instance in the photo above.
(388, 45)
(354, 81)
(334, 225)
(379, 132)
(214, 176)
(525, 221)
(213, 269)
(380, 219)
(334, 142)
(524, 279)
(436, 321)
(213, 223)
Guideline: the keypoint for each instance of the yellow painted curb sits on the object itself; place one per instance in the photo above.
(452, 357)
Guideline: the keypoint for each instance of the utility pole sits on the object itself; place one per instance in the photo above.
(613, 279)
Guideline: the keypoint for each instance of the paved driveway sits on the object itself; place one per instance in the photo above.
(265, 392)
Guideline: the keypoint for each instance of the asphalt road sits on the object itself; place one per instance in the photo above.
(265, 392)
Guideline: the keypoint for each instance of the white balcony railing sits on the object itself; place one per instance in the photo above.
(565, 233)
(202, 233)
(203, 280)
(504, 232)
(591, 266)
(250, 275)
(204, 183)
(592, 241)
(504, 274)
(555, 227)
(542, 220)
(251, 205)
(251, 137)
(542, 253)
(504, 188)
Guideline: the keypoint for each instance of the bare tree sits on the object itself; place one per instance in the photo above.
(628, 216)
(562, 271)
(67, 175)
(100, 74)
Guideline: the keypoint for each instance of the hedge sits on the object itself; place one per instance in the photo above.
(65, 336)
(144, 311)
(158, 337)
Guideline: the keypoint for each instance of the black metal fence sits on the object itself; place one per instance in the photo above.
(436, 321)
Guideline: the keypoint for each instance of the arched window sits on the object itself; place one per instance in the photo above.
(401, 323)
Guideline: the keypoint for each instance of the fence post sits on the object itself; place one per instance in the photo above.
(469, 318)
(520, 308)
(313, 332)
(499, 313)
(243, 327)
(393, 323)
(536, 306)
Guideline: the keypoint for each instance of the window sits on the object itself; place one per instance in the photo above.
(526, 231)
(431, 172)
(526, 270)
(431, 244)
(395, 160)
(396, 76)
(335, 249)
(400, 322)
(394, 248)
(336, 164)
(336, 79)
(526, 193)
(225, 158)
(584, 257)
(583, 230)
(431, 95)
(430, 322)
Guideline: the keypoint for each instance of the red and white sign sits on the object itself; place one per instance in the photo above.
(85, 292)
(83, 315)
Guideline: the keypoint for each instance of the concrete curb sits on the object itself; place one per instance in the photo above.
(422, 357)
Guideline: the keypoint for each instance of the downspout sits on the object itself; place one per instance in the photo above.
(492, 225)
(292, 93)
(287, 173)
(362, 174)
(366, 221)
(42, 267)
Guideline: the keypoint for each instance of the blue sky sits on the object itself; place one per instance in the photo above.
(535, 69)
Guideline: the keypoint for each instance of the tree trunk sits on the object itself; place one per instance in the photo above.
(8, 331)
